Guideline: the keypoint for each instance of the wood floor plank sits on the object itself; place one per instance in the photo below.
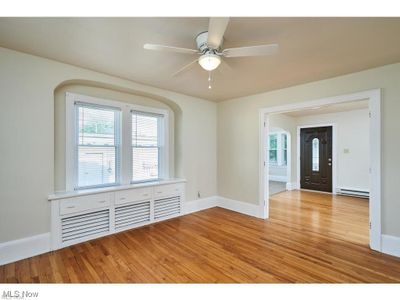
(309, 237)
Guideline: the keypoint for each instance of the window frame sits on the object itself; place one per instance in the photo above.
(273, 162)
(117, 144)
(280, 148)
(160, 144)
(124, 175)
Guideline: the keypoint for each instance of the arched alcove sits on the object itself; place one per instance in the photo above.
(112, 92)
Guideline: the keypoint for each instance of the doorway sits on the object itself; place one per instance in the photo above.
(316, 158)
(374, 102)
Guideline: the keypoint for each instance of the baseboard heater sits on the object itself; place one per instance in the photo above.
(354, 193)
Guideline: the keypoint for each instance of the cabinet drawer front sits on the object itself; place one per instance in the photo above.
(167, 190)
(133, 195)
(78, 204)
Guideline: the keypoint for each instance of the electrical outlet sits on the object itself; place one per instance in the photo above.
(198, 195)
(346, 150)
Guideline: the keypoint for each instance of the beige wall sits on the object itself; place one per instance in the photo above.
(27, 131)
(238, 134)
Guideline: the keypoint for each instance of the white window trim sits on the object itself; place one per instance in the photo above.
(125, 176)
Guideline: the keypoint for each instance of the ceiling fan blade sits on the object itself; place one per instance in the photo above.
(184, 68)
(170, 49)
(216, 30)
(251, 51)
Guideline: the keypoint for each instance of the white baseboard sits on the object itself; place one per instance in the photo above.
(27, 247)
(277, 178)
(390, 244)
(199, 204)
(290, 186)
(240, 207)
(217, 201)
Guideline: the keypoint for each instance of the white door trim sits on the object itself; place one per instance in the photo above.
(334, 153)
(374, 100)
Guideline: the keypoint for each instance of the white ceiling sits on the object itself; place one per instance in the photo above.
(310, 49)
(327, 109)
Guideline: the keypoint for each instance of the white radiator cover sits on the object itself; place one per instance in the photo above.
(164, 208)
(131, 215)
(80, 226)
(79, 218)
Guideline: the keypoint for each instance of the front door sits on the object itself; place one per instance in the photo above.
(316, 158)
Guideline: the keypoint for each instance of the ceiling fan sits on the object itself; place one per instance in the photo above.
(209, 47)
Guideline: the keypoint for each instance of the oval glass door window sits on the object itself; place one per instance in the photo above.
(315, 154)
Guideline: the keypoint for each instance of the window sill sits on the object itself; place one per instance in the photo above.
(77, 193)
(278, 166)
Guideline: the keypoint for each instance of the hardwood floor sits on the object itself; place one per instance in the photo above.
(310, 237)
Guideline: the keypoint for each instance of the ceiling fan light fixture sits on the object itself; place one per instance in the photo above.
(209, 61)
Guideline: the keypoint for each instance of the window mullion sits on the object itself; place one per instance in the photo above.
(279, 148)
(126, 139)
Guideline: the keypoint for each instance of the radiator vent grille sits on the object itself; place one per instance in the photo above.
(167, 207)
(85, 225)
(130, 215)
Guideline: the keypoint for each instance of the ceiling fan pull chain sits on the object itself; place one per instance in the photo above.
(209, 80)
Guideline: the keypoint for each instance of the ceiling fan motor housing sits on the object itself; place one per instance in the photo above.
(201, 41)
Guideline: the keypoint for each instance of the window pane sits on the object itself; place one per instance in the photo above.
(315, 154)
(144, 164)
(96, 126)
(273, 142)
(145, 146)
(144, 130)
(96, 165)
(273, 156)
(97, 142)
